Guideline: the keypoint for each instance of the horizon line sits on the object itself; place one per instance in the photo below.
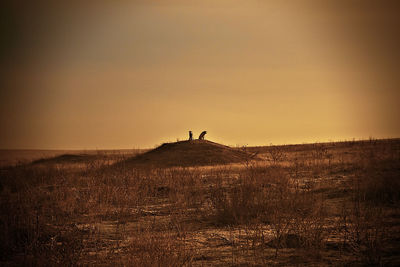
(236, 145)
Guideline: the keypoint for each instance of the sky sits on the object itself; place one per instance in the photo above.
(134, 74)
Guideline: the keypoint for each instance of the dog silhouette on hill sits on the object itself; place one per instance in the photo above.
(201, 136)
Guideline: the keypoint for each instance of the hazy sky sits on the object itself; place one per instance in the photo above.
(129, 74)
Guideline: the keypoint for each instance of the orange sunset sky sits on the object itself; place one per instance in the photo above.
(134, 74)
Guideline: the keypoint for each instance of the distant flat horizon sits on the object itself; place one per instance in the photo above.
(132, 149)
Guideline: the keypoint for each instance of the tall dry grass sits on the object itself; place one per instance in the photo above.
(297, 201)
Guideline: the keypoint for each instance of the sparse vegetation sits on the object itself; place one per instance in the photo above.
(317, 204)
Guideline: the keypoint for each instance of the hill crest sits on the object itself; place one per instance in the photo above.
(190, 153)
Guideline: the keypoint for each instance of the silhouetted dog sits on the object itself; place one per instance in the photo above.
(201, 137)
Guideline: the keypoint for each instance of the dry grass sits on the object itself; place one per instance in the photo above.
(317, 204)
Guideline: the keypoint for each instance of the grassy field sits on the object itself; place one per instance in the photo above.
(312, 204)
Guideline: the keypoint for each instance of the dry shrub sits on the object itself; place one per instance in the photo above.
(298, 220)
(25, 228)
(148, 248)
(377, 180)
(381, 187)
(266, 195)
(251, 196)
(319, 153)
(364, 232)
(276, 154)
(374, 187)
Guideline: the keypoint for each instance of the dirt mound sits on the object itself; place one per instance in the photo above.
(67, 158)
(190, 153)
